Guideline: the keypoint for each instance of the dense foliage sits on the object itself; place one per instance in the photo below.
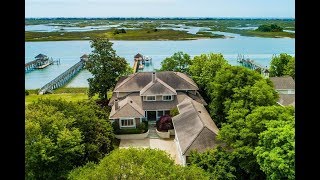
(133, 163)
(281, 65)
(243, 105)
(259, 145)
(178, 62)
(276, 150)
(235, 86)
(105, 66)
(204, 68)
(269, 28)
(61, 135)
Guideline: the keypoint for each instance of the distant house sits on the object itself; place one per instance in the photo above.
(41, 57)
(84, 57)
(285, 86)
(138, 57)
(146, 96)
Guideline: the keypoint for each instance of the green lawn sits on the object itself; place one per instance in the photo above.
(68, 94)
(65, 96)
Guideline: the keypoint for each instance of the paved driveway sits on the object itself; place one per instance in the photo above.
(167, 145)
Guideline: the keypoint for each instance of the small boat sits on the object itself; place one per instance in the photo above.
(43, 66)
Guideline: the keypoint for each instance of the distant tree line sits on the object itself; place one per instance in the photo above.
(269, 28)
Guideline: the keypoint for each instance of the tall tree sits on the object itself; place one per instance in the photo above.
(204, 68)
(105, 66)
(223, 87)
(278, 65)
(61, 135)
(275, 151)
(178, 62)
(289, 69)
(242, 131)
(217, 162)
(133, 163)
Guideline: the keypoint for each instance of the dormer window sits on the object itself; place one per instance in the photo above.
(150, 98)
(167, 98)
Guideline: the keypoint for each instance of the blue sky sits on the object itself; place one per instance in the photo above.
(160, 8)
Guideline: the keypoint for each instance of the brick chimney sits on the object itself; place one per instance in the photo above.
(153, 77)
(116, 104)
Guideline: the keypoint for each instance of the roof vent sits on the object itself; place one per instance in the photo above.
(199, 111)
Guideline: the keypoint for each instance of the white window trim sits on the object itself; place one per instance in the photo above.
(124, 118)
(166, 99)
(146, 99)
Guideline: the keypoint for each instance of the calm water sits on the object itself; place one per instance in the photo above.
(69, 52)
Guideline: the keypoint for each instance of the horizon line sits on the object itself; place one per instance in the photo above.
(160, 17)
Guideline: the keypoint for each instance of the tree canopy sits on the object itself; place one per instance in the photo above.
(178, 62)
(276, 150)
(204, 68)
(105, 66)
(61, 135)
(281, 65)
(252, 150)
(238, 84)
(134, 163)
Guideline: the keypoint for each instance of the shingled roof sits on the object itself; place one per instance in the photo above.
(283, 82)
(157, 87)
(127, 108)
(138, 55)
(40, 56)
(137, 81)
(287, 99)
(84, 56)
(156, 105)
(194, 127)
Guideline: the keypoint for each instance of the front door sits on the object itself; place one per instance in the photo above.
(151, 115)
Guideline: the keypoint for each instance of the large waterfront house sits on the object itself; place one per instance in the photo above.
(150, 95)
(285, 86)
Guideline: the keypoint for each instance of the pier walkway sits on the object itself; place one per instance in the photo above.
(65, 77)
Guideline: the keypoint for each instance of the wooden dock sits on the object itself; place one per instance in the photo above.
(139, 62)
(63, 78)
(41, 61)
(248, 63)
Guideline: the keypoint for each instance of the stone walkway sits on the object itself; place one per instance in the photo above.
(167, 145)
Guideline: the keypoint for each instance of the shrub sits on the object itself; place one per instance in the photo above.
(141, 126)
(165, 123)
(26, 92)
(174, 112)
(129, 131)
(116, 127)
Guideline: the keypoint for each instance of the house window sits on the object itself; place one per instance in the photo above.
(167, 112)
(160, 113)
(150, 98)
(127, 122)
(167, 98)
